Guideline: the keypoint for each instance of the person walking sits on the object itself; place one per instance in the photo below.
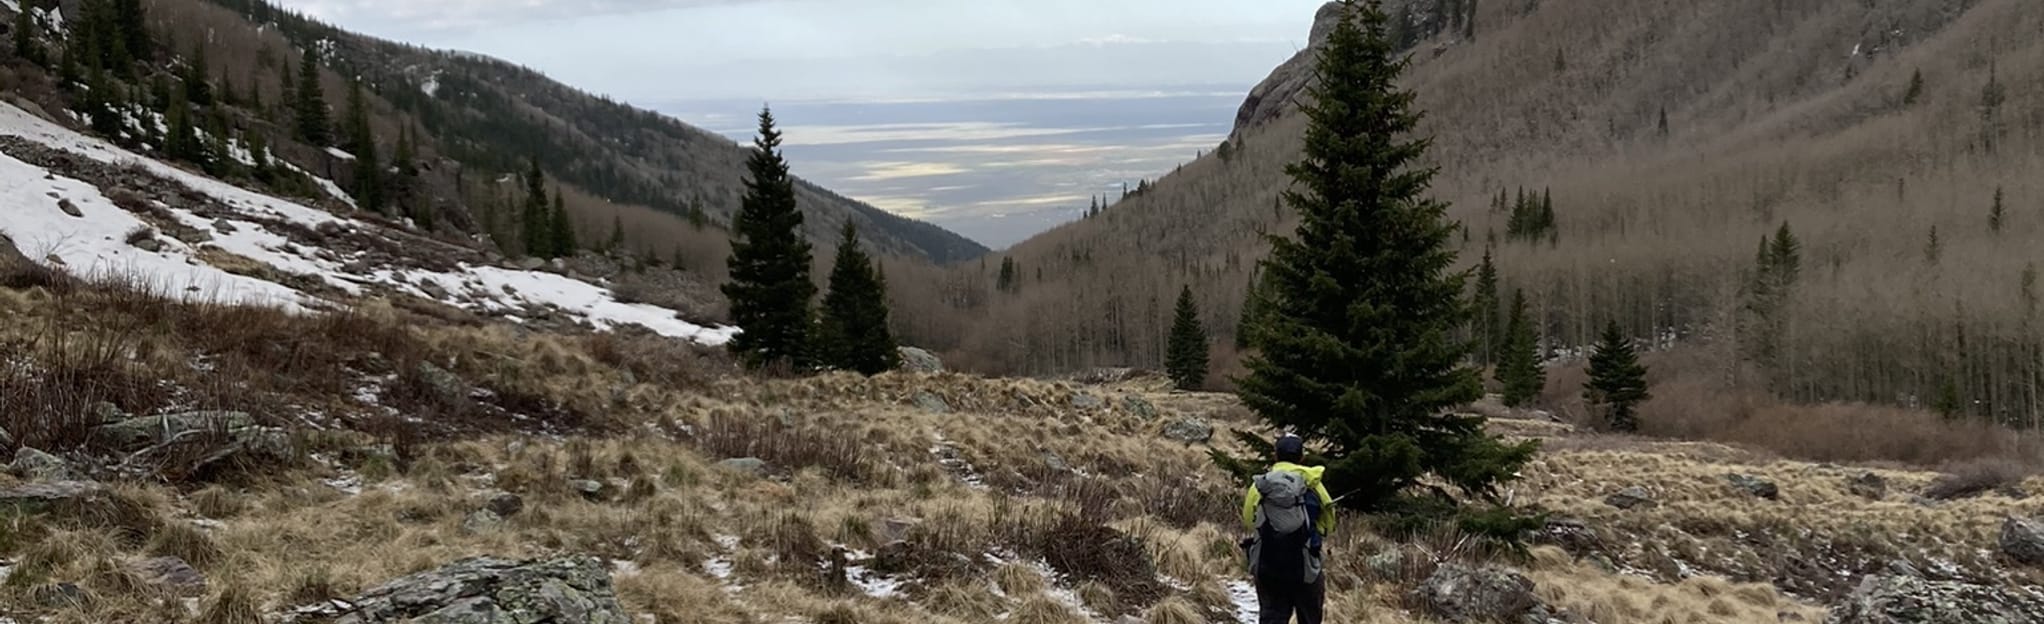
(1290, 514)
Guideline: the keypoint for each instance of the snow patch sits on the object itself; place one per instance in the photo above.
(1244, 597)
(338, 153)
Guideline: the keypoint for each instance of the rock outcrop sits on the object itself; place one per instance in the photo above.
(1460, 593)
(916, 360)
(484, 590)
(1190, 431)
(1280, 91)
(2022, 539)
(1755, 486)
(1631, 497)
(35, 465)
(1903, 599)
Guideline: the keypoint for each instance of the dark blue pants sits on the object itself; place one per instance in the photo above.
(1276, 605)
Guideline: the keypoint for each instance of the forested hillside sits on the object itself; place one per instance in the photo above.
(464, 126)
(1898, 145)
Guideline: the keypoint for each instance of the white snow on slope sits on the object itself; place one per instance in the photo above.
(96, 245)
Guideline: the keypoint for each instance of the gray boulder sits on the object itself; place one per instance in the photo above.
(748, 465)
(1286, 85)
(35, 465)
(1055, 462)
(592, 490)
(32, 498)
(134, 433)
(1462, 593)
(485, 590)
(445, 386)
(2022, 539)
(70, 208)
(10, 256)
(1087, 402)
(1139, 406)
(171, 573)
(481, 521)
(1892, 599)
(505, 504)
(1190, 431)
(1631, 497)
(916, 360)
(930, 402)
(60, 596)
(1868, 485)
(1755, 486)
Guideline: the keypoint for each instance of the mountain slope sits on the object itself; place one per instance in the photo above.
(493, 116)
(1775, 113)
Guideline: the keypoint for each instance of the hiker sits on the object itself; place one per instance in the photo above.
(1290, 513)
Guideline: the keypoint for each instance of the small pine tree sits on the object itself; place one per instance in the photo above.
(132, 22)
(1933, 251)
(853, 334)
(1618, 383)
(1915, 91)
(536, 220)
(309, 109)
(770, 290)
(563, 242)
(1994, 215)
(696, 217)
(1519, 368)
(1254, 303)
(617, 234)
(368, 186)
(1662, 126)
(197, 89)
(25, 45)
(1489, 335)
(1187, 353)
(182, 140)
(1560, 61)
(1006, 280)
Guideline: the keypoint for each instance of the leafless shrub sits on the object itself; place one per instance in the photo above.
(1970, 478)
(784, 447)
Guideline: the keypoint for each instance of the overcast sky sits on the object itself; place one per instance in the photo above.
(647, 51)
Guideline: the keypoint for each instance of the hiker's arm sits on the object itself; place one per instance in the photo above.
(1326, 520)
(1249, 502)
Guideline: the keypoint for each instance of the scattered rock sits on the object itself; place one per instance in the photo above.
(1085, 401)
(1190, 431)
(505, 504)
(35, 465)
(748, 465)
(1570, 534)
(1461, 593)
(137, 432)
(60, 595)
(149, 244)
(930, 402)
(2022, 539)
(1055, 463)
(1902, 567)
(529, 264)
(1890, 599)
(483, 590)
(70, 208)
(897, 529)
(1755, 486)
(1631, 497)
(1139, 406)
(108, 412)
(1387, 564)
(171, 573)
(33, 498)
(592, 490)
(224, 226)
(1868, 485)
(916, 360)
(481, 521)
(445, 386)
(2012, 491)
(190, 235)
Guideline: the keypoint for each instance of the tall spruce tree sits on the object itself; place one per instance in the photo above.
(361, 142)
(131, 20)
(1519, 368)
(1995, 216)
(1186, 358)
(1358, 352)
(25, 45)
(309, 106)
(770, 291)
(195, 77)
(1618, 383)
(853, 334)
(1489, 335)
(1253, 305)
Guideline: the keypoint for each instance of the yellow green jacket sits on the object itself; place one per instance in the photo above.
(1324, 524)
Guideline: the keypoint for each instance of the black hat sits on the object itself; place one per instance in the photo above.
(1290, 445)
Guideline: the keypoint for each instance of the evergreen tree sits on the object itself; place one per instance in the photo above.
(182, 140)
(195, 75)
(1489, 336)
(1618, 383)
(1933, 250)
(309, 109)
(1186, 356)
(696, 217)
(1994, 215)
(536, 221)
(25, 45)
(1662, 126)
(770, 291)
(132, 22)
(1253, 305)
(617, 234)
(1519, 369)
(1357, 350)
(562, 241)
(1005, 281)
(1915, 91)
(854, 335)
(368, 186)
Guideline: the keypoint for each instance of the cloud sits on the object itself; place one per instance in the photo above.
(414, 15)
